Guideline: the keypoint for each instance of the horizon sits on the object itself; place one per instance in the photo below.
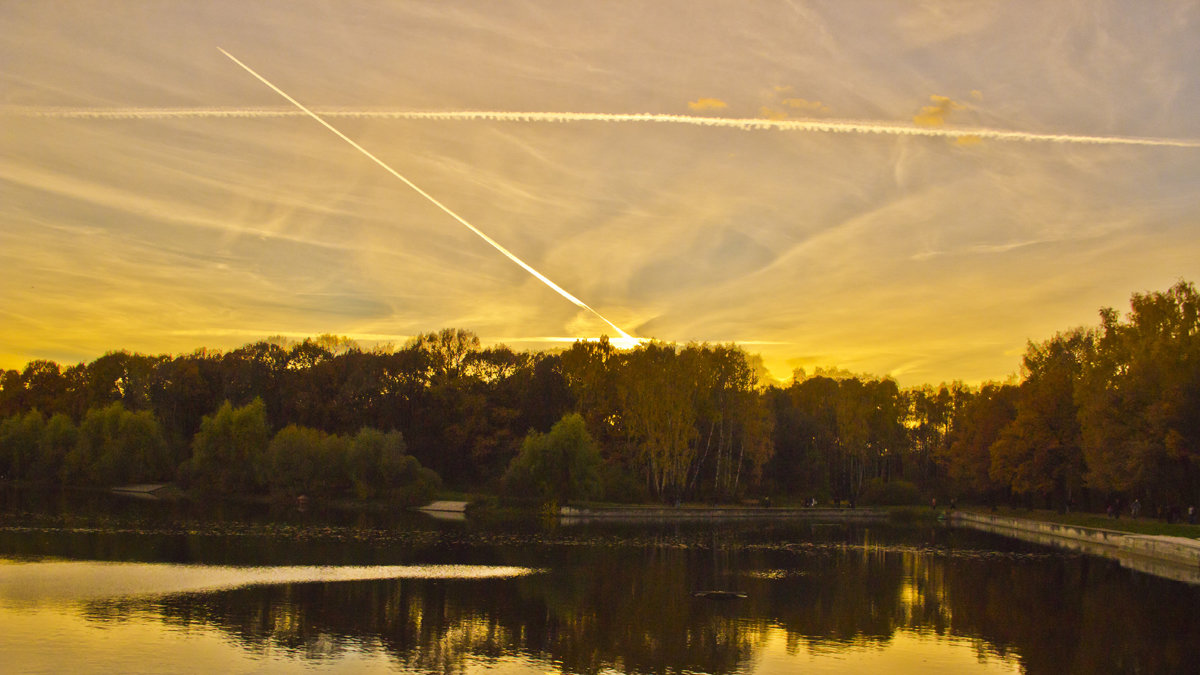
(908, 192)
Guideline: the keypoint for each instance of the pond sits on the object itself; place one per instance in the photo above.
(107, 586)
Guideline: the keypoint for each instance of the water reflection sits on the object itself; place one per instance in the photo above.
(842, 599)
(31, 583)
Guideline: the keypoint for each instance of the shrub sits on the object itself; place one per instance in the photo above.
(227, 446)
(556, 467)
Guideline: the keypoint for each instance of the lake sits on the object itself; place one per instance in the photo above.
(100, 584)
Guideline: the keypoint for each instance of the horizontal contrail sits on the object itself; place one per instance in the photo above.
(496, 245)
(745, 123)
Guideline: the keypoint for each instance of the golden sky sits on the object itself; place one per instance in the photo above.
(945, 180)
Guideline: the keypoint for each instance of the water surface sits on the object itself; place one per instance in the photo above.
(156, 589)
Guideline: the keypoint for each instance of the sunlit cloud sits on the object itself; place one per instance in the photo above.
(707, 104)
(150, 190)
(935, 115)
(806, 105)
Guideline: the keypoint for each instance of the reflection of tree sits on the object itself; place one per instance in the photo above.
(631, 606)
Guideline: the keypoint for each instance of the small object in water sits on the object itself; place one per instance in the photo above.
(719, 595)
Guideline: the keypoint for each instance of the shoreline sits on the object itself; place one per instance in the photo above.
(571, 514)
(1176, 558)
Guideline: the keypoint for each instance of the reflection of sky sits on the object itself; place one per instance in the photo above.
(25, 583)
(50, 640)
(926, 258)
(52, 618)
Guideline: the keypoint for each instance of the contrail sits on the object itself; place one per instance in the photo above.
(832, 126)
(496, 245)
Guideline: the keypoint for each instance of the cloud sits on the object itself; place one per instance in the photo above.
(773, 113)
(806, 105)
(771, 118)
(707, 104)
(935, 115)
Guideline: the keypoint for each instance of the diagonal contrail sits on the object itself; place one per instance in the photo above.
(829, 126)
(496, 245)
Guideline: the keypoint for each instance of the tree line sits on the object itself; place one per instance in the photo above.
(1103, 412)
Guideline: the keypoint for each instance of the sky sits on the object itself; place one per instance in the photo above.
(906, 189)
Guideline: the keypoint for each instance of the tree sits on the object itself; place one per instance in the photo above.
(303, 461)
(19, 436)
(558, 466)
(117, 446)
(59, 436)
(656, 396)
(379, 467)
(1140, 399)
(1040, 451)
(978, 426)
(227, 446)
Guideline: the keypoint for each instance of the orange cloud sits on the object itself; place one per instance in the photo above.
(966, 141)
(935, 115)
(707, 104)
(772, 113)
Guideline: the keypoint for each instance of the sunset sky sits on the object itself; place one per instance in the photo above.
(982, 177)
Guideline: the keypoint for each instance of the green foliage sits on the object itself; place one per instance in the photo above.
(558, 466)
(116, 446)
(229, 443)
(59, 437)
(379, 467)
(879, 492)
(19, 437)
(303, 461)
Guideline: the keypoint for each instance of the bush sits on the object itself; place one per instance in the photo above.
(303, 461)
(556, 467)
(890, 493)
(117, 446)
(229, 443)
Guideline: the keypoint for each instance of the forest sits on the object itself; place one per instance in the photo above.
(1100, 413)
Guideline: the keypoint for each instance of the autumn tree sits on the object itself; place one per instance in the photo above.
(979, 424)
(1140, 399)
(656, 399)
(1040, 451)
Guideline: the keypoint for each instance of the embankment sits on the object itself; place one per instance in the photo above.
(1171, 557)
(689, 513)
